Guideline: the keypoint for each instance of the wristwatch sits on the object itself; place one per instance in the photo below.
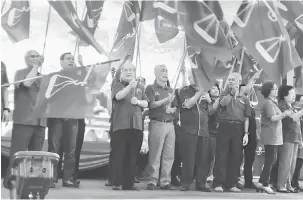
(247, 133)
(8, 110)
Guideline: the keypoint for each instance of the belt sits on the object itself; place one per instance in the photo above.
(164, 121)
(231, 121)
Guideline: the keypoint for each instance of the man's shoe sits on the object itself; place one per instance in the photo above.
(184, 188)
(117, 187)
(235, 189)
(219, 189)
(167, 187)
(150, 186)
(69, 183)
(108, 183)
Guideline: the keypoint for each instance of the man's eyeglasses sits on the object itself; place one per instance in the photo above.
(34, 56)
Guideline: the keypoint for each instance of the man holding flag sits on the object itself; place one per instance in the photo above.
(64, 131)
(28, 131)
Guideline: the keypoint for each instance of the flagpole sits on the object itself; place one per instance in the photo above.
(37, 77)
(47, 26)
(241, 61)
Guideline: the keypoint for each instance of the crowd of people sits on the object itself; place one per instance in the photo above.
(192, 133)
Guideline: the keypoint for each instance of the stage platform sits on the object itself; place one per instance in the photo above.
(95, 189)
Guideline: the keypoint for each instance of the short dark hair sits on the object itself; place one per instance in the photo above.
(266, 88)
(62, 57)
(217, 85)
(284, 91)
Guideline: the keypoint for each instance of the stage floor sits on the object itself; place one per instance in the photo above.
(95, 189)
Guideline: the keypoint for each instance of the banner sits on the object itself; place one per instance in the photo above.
(125, 38)
(68, 13)
(15, 19)
(203, 27)
(166, 21)
(266, 42)
(71, 93)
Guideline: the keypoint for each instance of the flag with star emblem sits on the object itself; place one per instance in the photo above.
(267, 45)
(68, 13)
(71, 93)
(15, 19)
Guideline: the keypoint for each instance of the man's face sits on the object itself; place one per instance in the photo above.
(233, 81)
(127, 72)
(161, 73)
(32, 58)
(214, 91)
(68, 62)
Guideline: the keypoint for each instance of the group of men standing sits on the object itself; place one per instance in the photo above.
(213, 125)
(65, 136)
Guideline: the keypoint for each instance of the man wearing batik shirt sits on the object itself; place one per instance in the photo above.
(4, 94)
(193, 139)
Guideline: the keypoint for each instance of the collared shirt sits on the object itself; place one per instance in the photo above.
(156, 92)
(25, 100)
(291, 129)
(195, 119)
(4, 80)
(213, 122)
(271, 131)
(125, 115)
(237, 109)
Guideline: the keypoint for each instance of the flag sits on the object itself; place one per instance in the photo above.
(148, 11)
(299, 70)
(92, 16)
(292, 11)
(125, 37)
(205, 69)
(15, 19)
(166, 21)
(215, 7)
(68, 13)
(257, 27)
(203, 27)
(71, 93)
